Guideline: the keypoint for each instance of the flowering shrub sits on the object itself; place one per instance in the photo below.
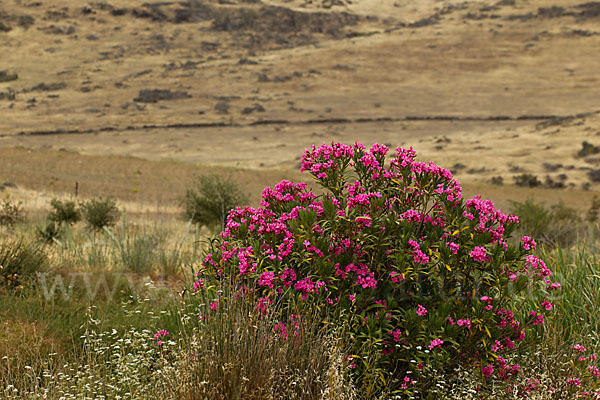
(417, 279)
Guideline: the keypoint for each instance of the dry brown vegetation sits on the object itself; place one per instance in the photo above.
(486, 88)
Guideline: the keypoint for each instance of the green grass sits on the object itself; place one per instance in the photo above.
(101, 333)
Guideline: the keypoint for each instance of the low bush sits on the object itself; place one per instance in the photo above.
(11, 213)
(64, 212)
(50, 232)
(419, 281)
(20, 260)
(211, 198)
(558, 224)
(99, 213)
(136, 250)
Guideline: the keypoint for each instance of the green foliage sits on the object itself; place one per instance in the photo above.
(20, 260)
(50, 232)
(211, 198)
(99, 213)
(556, 225)
(594, 210)
(136, 250)
(11, 213)
(64, 212)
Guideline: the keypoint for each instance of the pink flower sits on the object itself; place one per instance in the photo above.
(538, 318)
(488, 370)
(464, 322)
(266, 279)
(160, 334)
(395, 334)
(479, 254)
(573, 381)
(421, 311)
(214, 305)
(528, 243)
(396, 276)
(579, 348)
(547, 305)
(199, 284)
(435, 343)
(453, 247)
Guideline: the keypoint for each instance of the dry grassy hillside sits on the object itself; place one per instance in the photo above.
(487, 88)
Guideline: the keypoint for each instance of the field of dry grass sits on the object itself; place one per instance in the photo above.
(485, 88)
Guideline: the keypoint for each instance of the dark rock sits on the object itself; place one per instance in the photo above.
(6, 76)
(42, 87)
(154, 95)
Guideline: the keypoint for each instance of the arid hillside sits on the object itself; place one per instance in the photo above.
(490, 89)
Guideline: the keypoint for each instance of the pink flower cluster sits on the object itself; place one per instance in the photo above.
(160, 335)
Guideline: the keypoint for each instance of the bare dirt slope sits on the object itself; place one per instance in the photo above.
(489, 88)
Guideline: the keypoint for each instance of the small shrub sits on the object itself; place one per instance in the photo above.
(64, 212)
(11, 212)
(594, 210)
(556, 225)
(209, 201)
(137, 251)
(49, 232)
(20, 260)
(99, 213)
(527, 180)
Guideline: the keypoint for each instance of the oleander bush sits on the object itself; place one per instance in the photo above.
(419, 281)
